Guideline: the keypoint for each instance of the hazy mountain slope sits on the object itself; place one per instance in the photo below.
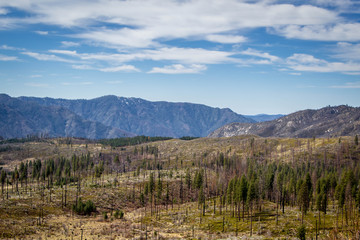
(19, 119)
(264, 117)
(148, 118)
(329, 121)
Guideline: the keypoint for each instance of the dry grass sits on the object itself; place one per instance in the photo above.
(19, 215)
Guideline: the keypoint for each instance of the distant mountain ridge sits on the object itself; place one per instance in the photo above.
(264, 117)
(142, 117)
(326, 122)
(19, 119)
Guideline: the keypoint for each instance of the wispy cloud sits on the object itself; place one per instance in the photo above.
(179, 69)
(152, 21)
(3, 11)
(256, 53)
(82, 67)
(64, 52)
(67, 44)
(352, 73)
(6, 47)
(36, 76)
(225, 38)
(308, 63)
(42, 32)
(143, 29)
(175, 54)
(295, 73)
(8, 58)
(37, 85)
(339, 5)
(122, 68)
(46, 57)
(76, 83)
(321, 32)
(348, 85)
(347, 51)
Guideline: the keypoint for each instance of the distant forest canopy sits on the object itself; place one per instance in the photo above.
(114, 142)
(130, 141)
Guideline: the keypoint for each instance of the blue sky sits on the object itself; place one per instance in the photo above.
(251, 56)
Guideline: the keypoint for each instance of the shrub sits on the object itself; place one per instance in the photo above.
(84, 208)
(119, 214)
(301, 234)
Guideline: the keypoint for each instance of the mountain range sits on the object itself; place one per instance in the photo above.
(109, 117)
(20, 119)
(325, 122)
(112, 117)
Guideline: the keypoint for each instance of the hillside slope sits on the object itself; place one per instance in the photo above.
(19, 119)
(148, 118)
(325, 122)
(264, 117)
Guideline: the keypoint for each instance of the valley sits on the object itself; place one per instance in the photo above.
(208, 188)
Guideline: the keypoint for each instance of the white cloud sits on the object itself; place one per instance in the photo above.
(6, 47)
(46, 57)
(332, 32)
(256, 53)
(67, 44)
(308, 63)
(348, 85)
(179, 69)
(122, 68)
(225, 38)
(189, 55)
(8, 58)
(135, 38)
(3, 11)
(42, 32)
(347, 51)
(64, 52)
(183, 55)
(340, 5)
(352, 73)
(82, 67)
(142, 23)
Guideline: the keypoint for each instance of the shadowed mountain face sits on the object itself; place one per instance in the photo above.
(19, 119)
(143, 117)
(264, 117)
(329, 121)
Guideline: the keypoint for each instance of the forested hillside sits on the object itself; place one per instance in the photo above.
(148, 118)
(219, 188)
(19, 119)
(325, 122)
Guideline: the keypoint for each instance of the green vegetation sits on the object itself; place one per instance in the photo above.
(119, 214)
(84, 208)
(220, 188)
(130, 141)
(188, 138)
(301, 234)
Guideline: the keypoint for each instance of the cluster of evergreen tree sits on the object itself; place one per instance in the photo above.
(130, 141)
(84, 208)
